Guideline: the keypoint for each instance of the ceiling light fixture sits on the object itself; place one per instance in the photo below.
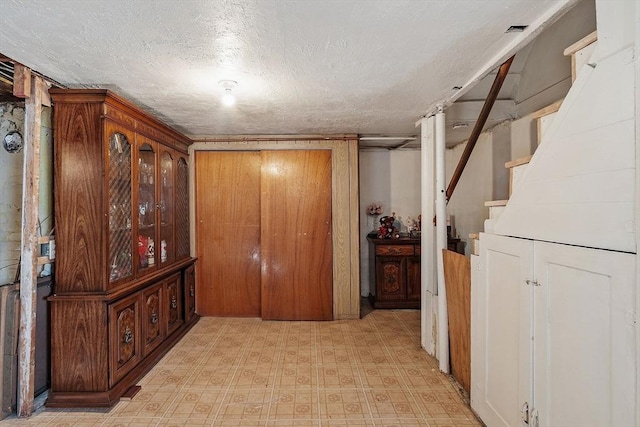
(228, 85)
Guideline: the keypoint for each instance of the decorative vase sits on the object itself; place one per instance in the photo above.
(375, 223)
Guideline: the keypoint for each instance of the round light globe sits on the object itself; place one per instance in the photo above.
(228, 99)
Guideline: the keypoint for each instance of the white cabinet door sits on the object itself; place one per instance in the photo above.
(584, 349)
(501, 332)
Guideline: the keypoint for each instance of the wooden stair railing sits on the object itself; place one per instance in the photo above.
(477, 129)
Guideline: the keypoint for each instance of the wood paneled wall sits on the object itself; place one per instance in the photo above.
(345, 206)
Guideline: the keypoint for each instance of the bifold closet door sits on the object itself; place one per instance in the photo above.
(296, 241)
(228, 233)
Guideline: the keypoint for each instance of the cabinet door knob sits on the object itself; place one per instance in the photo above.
(154, 318)
(128, 336)
(174, 302)
(192, 292)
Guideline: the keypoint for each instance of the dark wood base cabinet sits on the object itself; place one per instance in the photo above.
(394, 271)
(100, 348)
(124, 290)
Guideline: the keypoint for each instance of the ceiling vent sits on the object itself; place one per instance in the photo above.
(516, 28)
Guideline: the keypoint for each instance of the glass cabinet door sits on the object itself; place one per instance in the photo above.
(146, 256)
(119, 188)
(167, 242)
(182, 208)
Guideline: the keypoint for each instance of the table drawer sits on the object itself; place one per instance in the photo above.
(389, 250)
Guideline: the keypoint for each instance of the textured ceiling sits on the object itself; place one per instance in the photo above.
(370, 67)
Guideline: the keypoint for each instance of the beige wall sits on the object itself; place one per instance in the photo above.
(391, 177)
(466, 206)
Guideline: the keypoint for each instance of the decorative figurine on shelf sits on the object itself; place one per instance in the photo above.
(413, 226)
(142, 251)
(397, 221)
(151, 250)
(387, 230)
(163, 251)
(374, 210)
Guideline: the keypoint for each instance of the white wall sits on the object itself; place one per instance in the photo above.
(466, 206)
(393, 179)
(546, 76)
(523, 137)
(405, 184)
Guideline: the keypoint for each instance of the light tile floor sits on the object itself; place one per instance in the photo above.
(249, 372)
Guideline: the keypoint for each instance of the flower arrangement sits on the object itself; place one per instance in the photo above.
(374, 209)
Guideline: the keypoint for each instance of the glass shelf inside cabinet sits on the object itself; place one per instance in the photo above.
(146, 207)
(120, 260)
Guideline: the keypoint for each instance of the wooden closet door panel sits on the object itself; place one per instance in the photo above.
(228, 242)
(297, 267)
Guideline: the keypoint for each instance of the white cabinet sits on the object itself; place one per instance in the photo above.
(553, 331)
(584, 336)
(501, 346)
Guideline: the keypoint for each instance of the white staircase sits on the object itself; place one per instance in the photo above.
(554, 288)
(580, 53)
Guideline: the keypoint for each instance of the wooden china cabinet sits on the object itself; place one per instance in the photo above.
(124, 280)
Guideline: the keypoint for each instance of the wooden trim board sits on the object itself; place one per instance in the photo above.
(518, 162)
(552, 108)
(492, 203)
(581, 44)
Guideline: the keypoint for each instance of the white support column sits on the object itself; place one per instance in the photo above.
(30, 246)
(637, 217)
(441, 242)
(428, 275)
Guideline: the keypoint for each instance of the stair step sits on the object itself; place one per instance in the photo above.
(495, 210)
(580, 53)
(544, 116)
(475, 243)
(516, 168)
(489, 225)
(492, 203)
(517, 162)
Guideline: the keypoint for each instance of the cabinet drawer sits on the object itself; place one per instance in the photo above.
(387, 250)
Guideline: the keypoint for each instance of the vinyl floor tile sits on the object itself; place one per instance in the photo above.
(251, 373)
